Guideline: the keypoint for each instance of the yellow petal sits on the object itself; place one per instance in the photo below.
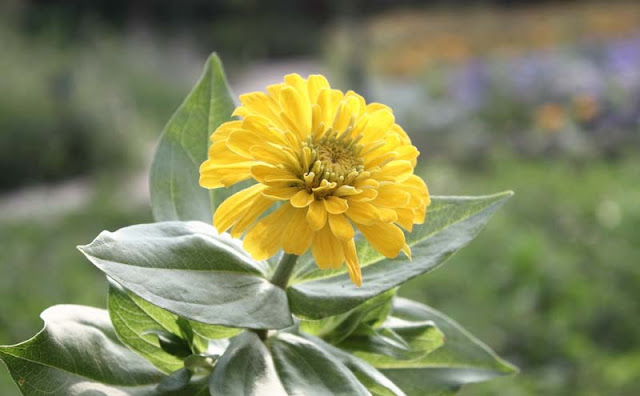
(316, 215)
(275, 89)
(353, 266)
(213, 175)
(407, 251)
(233, 207)
(326, 110)
(398, 131)
(362, 104)
(366, 195)
(296, 111)
(299, 84)
(367, 183)
(265, 238)
(223, 131)
(392, 197)
(387, 215)
(260, 205)
(375, 106)
(335, 205)
(280, 192)
(398, 170)
(261, 104)
(408, 153)
(302, 199)
(324, 186)
(345, 191)
(297, 235)
(379, 123)
(315, 83)
(405, 218)
(240, 142)
(347, 112)
(271, 174)
(379, 158)
(276, 156)
(363, 213)
(260, 126)
(388, 239)
(219, 153)
(327, 249)
(340, 227)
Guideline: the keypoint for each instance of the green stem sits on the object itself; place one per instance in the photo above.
(280, 278)
(284, 270)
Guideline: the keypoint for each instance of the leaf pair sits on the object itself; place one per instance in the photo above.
(189, 269)
(78, 353)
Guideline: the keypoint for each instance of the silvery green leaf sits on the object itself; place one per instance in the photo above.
(246, 368)
(77, 353)
(450, 224)
(174, 183)
(189, 269)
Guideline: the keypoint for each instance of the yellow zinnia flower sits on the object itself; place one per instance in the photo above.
(331, 159)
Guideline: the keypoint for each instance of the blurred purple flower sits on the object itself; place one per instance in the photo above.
(622, 61)
(470, 84)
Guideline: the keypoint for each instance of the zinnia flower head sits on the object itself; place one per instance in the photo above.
(326, 161)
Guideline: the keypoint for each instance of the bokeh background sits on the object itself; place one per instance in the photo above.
(539, 97)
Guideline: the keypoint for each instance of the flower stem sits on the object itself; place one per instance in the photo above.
(280, 278)
(284, 270)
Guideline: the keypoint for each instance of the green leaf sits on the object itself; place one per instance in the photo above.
(246, 368)
(78, 353)
(135, 319)
(189, 269)
(395, 340)
(172, 344)
(132, 324)
(175, 382)
(175, 190)
(335, 329)
(461, 360)
(213, 332)
(369, 376)
(451, 223)
(306, 369)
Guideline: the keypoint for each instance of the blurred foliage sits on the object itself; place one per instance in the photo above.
(558, 267)
(70, 110)
(552, 80)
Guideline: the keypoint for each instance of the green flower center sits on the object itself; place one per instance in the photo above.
(334, 161)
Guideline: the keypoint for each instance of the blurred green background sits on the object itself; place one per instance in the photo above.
(539, 97)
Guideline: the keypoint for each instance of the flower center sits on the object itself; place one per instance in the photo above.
(331, 161)
(336, 159)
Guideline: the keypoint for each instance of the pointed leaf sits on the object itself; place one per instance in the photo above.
(175, 190)
(132, 325)
(246, 368)
(463, 359)
(335, 329)
(451, 223)
(172, 344)
(369, 376)
(175, 382)
(306, 369)
(212, 332)
(396, 340)
(78, 353)
(135, 319)
(190, 270)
